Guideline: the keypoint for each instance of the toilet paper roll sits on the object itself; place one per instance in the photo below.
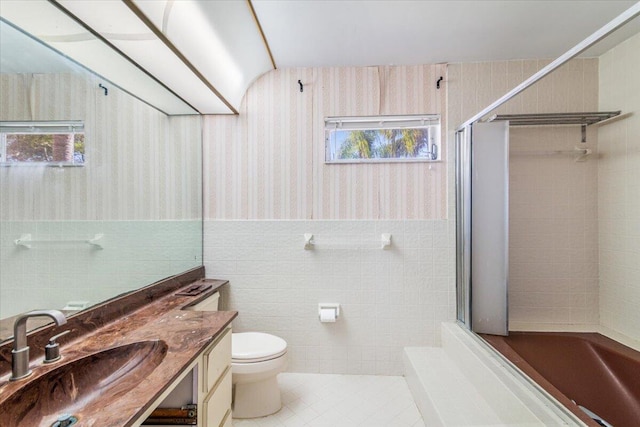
(328, 315)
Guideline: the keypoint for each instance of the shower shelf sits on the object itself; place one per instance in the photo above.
(556, 119)
(551, 119)
(26, 241)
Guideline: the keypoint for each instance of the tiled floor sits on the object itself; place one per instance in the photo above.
(319, 400)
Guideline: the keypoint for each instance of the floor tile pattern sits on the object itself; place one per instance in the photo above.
(323, 400)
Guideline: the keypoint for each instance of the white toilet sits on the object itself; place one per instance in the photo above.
(256, 360)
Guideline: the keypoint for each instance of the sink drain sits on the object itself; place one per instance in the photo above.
(65, 420)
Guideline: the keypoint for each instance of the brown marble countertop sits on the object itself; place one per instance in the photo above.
(186, 334)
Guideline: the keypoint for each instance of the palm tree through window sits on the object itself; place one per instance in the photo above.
(382, 138)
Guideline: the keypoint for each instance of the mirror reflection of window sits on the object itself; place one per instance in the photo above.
(53, 143)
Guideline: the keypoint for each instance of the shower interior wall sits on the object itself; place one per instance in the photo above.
(553, 232)
(619, 190)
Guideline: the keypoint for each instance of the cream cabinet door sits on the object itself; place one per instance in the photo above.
(216, 361)
(217, 404)
(228, 422)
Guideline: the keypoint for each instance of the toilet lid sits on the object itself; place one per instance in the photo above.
(256, 346)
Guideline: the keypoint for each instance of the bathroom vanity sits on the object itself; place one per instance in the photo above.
(124, 358)
(207, 381)
(210, 378)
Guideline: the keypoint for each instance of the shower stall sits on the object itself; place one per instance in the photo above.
(547, 205)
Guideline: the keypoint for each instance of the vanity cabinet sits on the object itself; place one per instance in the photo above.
(214, 403)
(215, 394)
(210, 376)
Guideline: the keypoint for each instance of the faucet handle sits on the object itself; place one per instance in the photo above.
(53, 339)
(52, 350)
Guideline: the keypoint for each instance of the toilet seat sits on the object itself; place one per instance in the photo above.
(252, 347)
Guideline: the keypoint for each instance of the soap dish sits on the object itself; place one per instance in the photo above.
(195, 289)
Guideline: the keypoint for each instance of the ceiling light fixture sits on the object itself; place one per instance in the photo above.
(185, 57)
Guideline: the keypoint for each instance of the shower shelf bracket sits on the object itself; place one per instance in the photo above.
(26, 241)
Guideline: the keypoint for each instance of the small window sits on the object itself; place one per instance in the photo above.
(382, 139)
(59, 143)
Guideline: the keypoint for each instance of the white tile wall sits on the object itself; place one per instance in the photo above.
(619, 190)
(136, 253)
(553, 244)
(389, 298)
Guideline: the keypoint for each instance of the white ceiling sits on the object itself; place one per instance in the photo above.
(387, 32)
(221, 41)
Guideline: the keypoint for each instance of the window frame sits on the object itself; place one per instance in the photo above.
(430, 121)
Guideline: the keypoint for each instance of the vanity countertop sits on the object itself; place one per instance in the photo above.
(186, 334)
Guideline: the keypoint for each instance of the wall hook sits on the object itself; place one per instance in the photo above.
(438, 82)
(101, 86)
(300, 83)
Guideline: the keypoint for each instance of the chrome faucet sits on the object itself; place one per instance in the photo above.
(20, 353)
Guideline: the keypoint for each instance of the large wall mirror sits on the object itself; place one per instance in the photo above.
(122, 211)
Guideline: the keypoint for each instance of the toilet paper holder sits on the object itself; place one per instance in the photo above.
(328, 312)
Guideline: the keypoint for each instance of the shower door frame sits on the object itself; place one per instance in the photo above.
(482, 176)
(463, 225)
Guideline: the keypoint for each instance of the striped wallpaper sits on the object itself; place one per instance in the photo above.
(141, 164)
(474, 85)
(268, 162)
